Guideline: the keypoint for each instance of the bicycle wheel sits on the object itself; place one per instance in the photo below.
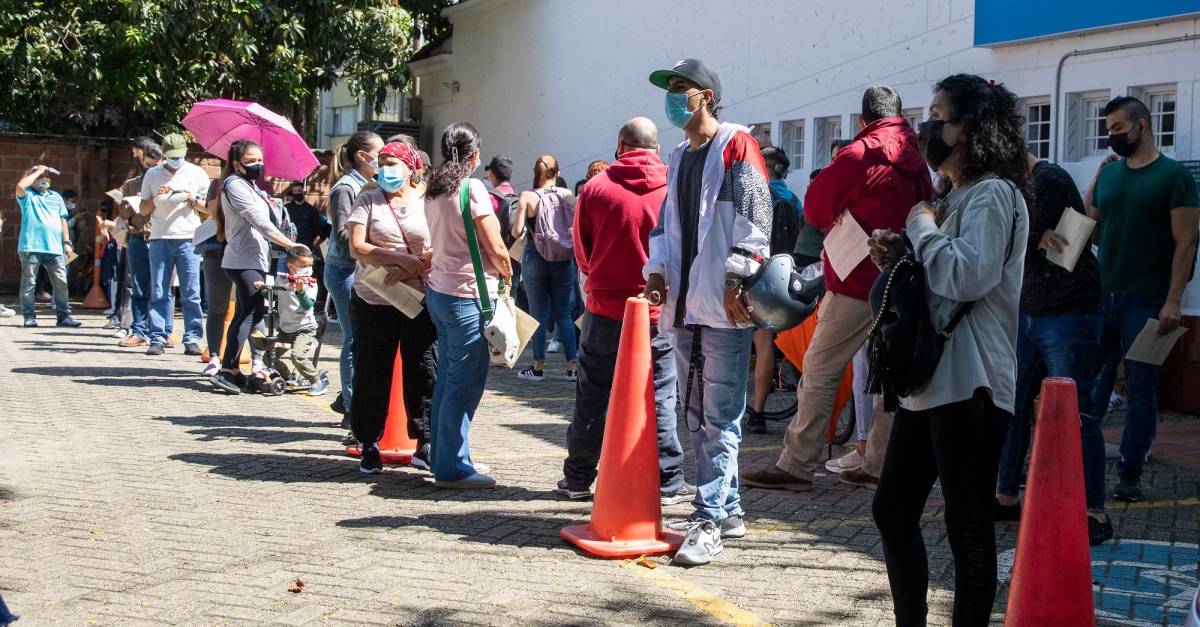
(845, 424)
(781, 399)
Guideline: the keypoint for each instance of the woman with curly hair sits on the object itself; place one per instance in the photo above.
(952, 431)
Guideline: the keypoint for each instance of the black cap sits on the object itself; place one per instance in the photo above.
(693, 70)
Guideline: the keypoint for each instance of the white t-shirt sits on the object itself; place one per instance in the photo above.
(173, 218)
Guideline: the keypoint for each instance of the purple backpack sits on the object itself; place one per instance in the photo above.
(552, 225)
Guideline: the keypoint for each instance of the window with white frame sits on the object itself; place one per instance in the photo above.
(1162, 118)
(392, 109)
(343, 120)
(792, 141)
(1087, 130)
(1037, 126)
(761, 133)
(914, 117)
(828, 129)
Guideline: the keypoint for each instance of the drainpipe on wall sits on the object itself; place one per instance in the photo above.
(1057, 106)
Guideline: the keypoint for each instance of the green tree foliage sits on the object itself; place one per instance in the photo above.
(120, 67)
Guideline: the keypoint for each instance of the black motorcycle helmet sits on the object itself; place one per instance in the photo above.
(778, 297)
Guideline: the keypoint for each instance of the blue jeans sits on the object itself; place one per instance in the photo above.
(57, 269)
(177, 256)
(714, 413)
(1056, 346)
(339, 280)
(1124, 316)
(138, 250)
(550, 286)
(462, 372)
(597, 365)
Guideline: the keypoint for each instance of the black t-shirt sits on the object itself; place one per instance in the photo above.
(307, 220)
(1048, 288)
(687, 200)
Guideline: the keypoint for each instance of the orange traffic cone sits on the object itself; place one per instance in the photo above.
(397, 445)
(96, 298)
(1052, 573)
(626, 513)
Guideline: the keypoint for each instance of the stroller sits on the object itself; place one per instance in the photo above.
(268, 380)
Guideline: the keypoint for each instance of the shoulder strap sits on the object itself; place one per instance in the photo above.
(965, 308)
(464, 204)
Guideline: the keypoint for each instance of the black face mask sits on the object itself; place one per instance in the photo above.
(929, 138)
(1120, 144)
(298, 198)
(253, 172)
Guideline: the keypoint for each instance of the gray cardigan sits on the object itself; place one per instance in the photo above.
(247, 219)
(965, 261)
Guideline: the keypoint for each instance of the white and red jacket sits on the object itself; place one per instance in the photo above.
(734, 232)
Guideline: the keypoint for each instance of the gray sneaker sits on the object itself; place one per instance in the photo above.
(474, 482)
(732, 527)
(685, 492)
(702, 544)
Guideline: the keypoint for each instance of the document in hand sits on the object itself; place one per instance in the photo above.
(1150, 347)
(846, 245)
(115, 196)
(517, 251)
(409, 301)
(1076, 228)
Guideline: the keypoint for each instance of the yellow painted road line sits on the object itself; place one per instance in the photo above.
(724, 611)
(1162, 504)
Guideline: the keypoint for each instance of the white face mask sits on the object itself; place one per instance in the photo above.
(175, 162)
(70, 205)
(42, 185)
(303, 271)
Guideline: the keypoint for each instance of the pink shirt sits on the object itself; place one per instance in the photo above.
(401, 229)
(452, 273)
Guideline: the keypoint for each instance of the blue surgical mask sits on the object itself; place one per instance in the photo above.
(390, 178)
(678, 113)
(175, 163)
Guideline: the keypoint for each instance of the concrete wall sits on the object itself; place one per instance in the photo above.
(560, 76)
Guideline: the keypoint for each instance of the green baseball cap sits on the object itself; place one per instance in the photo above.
(174, 146)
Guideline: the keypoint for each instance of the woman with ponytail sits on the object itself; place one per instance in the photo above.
(247, 228)
(453, 299)
(354, 164)
(549, 283)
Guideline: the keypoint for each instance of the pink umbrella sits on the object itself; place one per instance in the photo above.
(218, 123)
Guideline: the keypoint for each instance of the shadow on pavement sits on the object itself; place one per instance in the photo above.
(104, 371)
(511, 528)
(224, 420)
(261, 436)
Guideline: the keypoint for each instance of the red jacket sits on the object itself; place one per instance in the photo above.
(878, 177)
(614, 215)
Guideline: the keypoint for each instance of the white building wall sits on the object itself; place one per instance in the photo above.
(561, 76)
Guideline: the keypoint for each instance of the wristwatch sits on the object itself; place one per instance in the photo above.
(733, 282)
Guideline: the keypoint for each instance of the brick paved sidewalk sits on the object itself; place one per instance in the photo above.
(130, 493)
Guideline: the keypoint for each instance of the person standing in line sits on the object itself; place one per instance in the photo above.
(388, 230)
(714, 230)
(247, 227)
(952, 430)
(874, 181)
(785, 231)
(43, 243)
(455, 305)
(173, 195)
(146, 155)
(354, 164)
(548, 269)
(1058, 336)
(613, 220)
(1148, 210)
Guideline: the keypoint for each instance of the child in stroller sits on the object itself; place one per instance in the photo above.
(292, 338)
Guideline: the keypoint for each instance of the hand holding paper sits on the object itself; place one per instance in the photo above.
(1075, 228)
(409, 301)
(1150, 347)
(846, 245)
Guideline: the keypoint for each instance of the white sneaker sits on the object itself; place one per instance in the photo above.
(1116, 402)
(212, 367)
(476, 481)
(702, 544)
(554, 346)
(5, 312)
(849, 461)
(121, 334)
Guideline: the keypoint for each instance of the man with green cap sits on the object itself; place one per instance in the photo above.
(173, 194)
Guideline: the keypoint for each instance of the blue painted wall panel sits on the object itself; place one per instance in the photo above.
(1001, 21)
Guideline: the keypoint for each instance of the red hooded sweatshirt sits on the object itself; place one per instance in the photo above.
(614, 215)
(878, 177)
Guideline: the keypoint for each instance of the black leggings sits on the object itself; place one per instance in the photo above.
(379, 330)
(958, 444)
(249, 312)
